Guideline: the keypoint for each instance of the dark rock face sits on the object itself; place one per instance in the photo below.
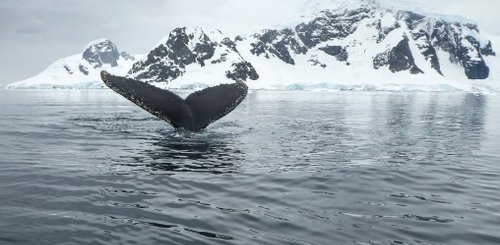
(287, 43)
(229, 43)
(463, 49)
(418, 25)
(280, 43)
(83, 69)
(242, 71)
(472, 60)
(477, 69)
(331, 25)
(315, 62)
(422, 40)
(383, 31)
(183, 55)
(413, 20)
(428, 34)
(330, 31)
(398, 59)
(488, 50)
(99, 53)
(338, 52)
(103, 52)
(169, 60)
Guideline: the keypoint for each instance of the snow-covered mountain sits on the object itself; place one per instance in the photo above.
(335, 44)
(354, 45)
(193, 57)
(81, 70)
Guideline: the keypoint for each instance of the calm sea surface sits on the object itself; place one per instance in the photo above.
(89, 167)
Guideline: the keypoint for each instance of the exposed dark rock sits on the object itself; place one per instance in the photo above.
(468, 54)
(426, 49)
(412, 19)
(68, 70)
(223, 58)
(229, 43)
(83, 69)
(103, 52)
(471, 59)
(242, 71)
(421, 36)
(398, 59)
(155, 70)
(488, 50)
(327, 31)
(444, 37)
(238, 38)
(204, 50)
(477, 69)
(475, 43)
(179, 56)
(177, 42)
(315, 62)
(338, 52)
(279, 43)
(472, 27)
(464, 50)
(383, 31)
(169, 60)
(331, 25)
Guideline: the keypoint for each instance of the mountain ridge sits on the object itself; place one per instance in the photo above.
(80, 70)
(359, 46)
(365, 46)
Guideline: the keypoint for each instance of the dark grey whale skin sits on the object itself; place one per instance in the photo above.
(194, 113)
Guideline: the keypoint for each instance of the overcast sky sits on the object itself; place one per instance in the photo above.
(34, 33)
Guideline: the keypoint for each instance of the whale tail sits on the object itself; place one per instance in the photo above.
(194, 113)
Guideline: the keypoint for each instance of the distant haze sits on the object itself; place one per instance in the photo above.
(34, 33)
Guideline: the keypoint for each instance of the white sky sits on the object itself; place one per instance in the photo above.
(34, 33)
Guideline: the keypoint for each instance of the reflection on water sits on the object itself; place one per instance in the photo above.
(185, 151)
(88, 167)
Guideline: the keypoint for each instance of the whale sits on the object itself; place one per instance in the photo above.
(193, 113)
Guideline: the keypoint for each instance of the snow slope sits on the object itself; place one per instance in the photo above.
(379, 45)
(341, 45)
(192, 57)
(80, 70)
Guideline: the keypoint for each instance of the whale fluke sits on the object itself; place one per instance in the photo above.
(196, 112)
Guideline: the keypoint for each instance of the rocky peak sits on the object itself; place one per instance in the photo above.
(101, 51)
(281, 43)
(460, 39)
(354, 33)
(331, 28)
(330, 25)
(185, 47)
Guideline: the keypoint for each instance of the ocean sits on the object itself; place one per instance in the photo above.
(286, 167)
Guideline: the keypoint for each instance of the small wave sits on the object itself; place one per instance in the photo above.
(112, 118)
(210, 234)
(434, 219)
(419, 197)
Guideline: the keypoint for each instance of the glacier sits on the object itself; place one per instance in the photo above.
(340, 46)
(334, 45)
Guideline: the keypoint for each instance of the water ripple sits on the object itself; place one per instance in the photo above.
(87, 167)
